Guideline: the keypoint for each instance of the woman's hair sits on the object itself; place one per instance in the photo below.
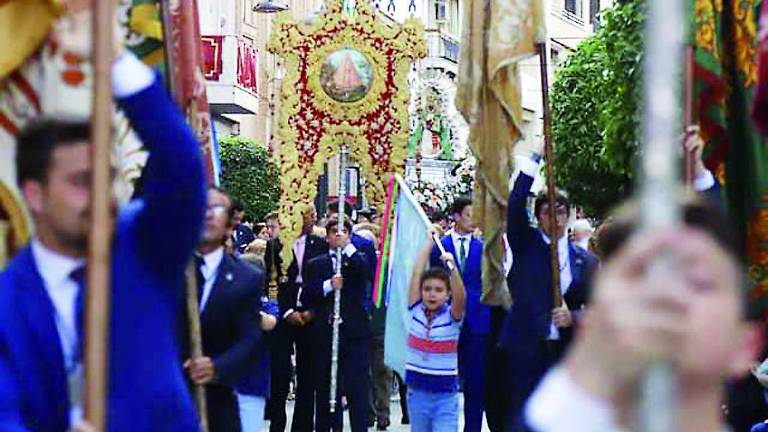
(438, 273)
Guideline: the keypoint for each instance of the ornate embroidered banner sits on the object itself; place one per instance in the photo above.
(346, 83)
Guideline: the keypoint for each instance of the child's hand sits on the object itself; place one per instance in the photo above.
(448, 260)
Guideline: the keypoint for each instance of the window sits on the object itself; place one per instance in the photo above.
(248, 12)
(570, 6)
(594, 8)
(441, 10)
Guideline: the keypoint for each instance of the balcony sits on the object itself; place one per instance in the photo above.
(231, 72)
(442, 51)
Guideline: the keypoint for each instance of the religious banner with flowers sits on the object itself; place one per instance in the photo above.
(726, 73)
(345, 85)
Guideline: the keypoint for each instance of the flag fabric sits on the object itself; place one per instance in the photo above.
(382, 266)
(497, 34)
(726, 73)
(409, 232)
(24, 26)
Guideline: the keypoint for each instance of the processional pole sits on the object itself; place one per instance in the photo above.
(549, 155)
(181, 40)
(100, 237)
(336, 292)
(660, 180)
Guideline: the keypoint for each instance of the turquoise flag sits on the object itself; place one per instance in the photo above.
(409, 232)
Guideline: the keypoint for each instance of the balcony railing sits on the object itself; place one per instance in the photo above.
(442, 46)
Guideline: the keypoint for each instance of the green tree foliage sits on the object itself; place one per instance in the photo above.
(596, 100)
(249, 175)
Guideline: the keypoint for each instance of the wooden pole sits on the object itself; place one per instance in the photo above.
(550, 158)
(100, 236)
(196, 341)
(688, 113)
(182, 54)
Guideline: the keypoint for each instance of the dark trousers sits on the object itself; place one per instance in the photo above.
(496, 391)
(306, 359)
(281, 348)
(352, 378)
(381, 381)
(525, 369)
(223, 411)
(473, 349)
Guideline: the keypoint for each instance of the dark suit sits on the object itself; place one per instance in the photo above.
(231, 332)
(285, 336)
(242, 236)
(474, 343)
(527, 324)
(354, 339)
(146, 386)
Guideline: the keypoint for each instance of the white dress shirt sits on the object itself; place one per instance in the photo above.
(55, 270)
(566, 277)
(210, 270)
(348, 250)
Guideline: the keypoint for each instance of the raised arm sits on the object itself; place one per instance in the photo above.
(519, 228)
(414, 292)
(458, 292)
(170, 220)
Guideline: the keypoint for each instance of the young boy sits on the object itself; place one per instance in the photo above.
(321, 281)
(437, 301)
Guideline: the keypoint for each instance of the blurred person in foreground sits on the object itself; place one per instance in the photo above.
(692, 316)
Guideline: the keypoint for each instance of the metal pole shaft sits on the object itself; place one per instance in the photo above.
(336, 292)
(660, 178)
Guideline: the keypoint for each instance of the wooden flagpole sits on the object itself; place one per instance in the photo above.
(550, 158)
(181, 40)
(100, 236)
(196, 341)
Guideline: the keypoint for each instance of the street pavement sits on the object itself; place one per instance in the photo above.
(395, 417)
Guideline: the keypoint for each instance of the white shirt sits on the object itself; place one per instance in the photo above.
(457, 238)
(560, 405)
(55, 270)
(210, 270)
(566, 277)
(348, 250)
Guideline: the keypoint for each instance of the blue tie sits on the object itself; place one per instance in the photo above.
(78, 276)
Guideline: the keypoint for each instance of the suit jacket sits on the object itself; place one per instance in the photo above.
(242, 236)
(230, 323)
(368, 250)
(530, 280)
(478, 316)
(289, 291)
(149, 254)
(354, 296)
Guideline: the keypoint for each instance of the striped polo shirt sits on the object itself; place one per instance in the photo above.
(432, 361)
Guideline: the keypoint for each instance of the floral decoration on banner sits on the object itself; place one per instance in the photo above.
(432, 197)
(463, 180)
(346, 83)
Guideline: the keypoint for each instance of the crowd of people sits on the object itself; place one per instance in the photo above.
(539, 366)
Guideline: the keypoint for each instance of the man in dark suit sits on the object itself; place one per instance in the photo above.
(297, 322)
(474, 343)
(242, 234)
(41, 332)
(229, 294)
(322, 279)
(535, 334)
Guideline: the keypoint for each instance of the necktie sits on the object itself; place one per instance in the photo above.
(462, 253)
(74, 366)
(199, 263)
(78, 276)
